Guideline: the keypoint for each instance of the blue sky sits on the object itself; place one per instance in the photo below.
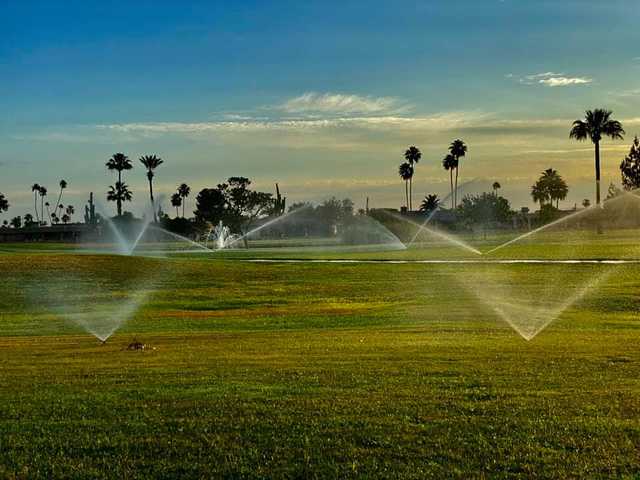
(322, 97)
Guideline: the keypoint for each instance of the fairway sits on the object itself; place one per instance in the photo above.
(342, 370)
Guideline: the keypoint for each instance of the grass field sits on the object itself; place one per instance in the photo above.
(301, 370)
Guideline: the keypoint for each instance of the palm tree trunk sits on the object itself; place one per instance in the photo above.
(59, 198)
(451, 181)
(35, 204)
(119, 202)
(455, 192)
(42, 208)
(184, 200)
(597, 173)
(153, 207)
(406, 193)
(411, 194)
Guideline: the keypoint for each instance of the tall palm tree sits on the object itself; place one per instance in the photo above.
(42, 191)
(35, 188)
(449, 163)
(496, 186)
(184, 190)
(63, 185)
(119, 162)
(176, 201)
(597, 123)
(413, 156)
(151, 162)
(406, 172)
(457, 149)
(47, 204)
(119, 193)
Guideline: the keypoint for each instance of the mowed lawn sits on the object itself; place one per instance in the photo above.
(316, 370)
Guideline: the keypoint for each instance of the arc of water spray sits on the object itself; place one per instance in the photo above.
(559, 221)
(435, 210)
(268, 224)
(436, 233)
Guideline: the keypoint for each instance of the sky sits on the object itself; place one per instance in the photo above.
(322, 97)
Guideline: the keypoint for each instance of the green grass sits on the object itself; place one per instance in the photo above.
(318, 370)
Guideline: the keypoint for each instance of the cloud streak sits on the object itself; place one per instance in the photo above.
(312, 103)
(552, 79)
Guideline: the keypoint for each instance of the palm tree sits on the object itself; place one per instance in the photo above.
(586, 203)
(119, 193)
(70, 210)
(430, 203)
(457, 149)
(597, 123)
(539, 193)
(496, 186)
(119, 162)
(63, 185)
(28, 220)
(43, 193)
(449, 163)
(35, 188)
(47, 204)
(184, 190)
(413, 156)
(4, 203)
(176, 201)
(406, 172)
(151, 162)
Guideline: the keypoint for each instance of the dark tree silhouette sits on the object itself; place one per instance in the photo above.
(63, 185)
(42, 191)
(151, 162)
(449, 164)
(184, 190)
(457, 149)
(406, 173)
(412, 155)
(597, 123)
(119, 193)
(4, 203)
(630, 167)
(430, 203)
(549, 187)
(16, 222)
(119, 162)
(496, 186)
(176, 201)
(35, 188)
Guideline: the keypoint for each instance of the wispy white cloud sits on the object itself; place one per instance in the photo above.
(312, 103)
(552, 79)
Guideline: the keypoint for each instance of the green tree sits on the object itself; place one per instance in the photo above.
(151, 162)
(630, 167)
(406, 173)
(412, 155)
(597, 123)
(496, 186)
(16, 222)
(457, 149)
(119, 162)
